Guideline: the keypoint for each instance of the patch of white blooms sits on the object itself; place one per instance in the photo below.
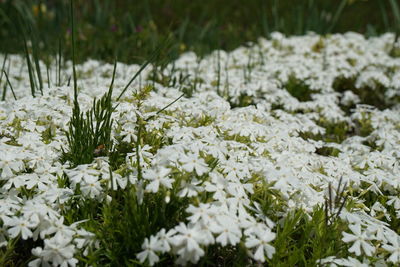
(222, 151)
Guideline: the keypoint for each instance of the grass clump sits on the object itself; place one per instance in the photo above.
(92, 132)
(89, 134)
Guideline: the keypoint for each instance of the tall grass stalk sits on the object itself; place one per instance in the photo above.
(9, 84)
(3, 97)
(226, 89)
(73, 52)
(264, 19)
(30, 69)
(218, 71)
(58, 69)
(384, 14)
(154, 56)
(35, 54)
(2, 67)
(27, 29)
(48, 75)
(336, 16)
(396, 14)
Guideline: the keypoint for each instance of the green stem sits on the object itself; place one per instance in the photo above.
(73, 50)
(9, 83)
(138, 146)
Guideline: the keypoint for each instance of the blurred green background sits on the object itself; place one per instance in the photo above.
(132, 29)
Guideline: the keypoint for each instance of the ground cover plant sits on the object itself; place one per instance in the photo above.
(283, 152)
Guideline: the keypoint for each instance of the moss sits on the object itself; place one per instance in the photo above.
(318, 46)
(335, 132)
(243, 101)
(47, 135)
(327, 151)
(364, 127)
(277, 105)
(368, 95)
(395, 52)
(298, 89)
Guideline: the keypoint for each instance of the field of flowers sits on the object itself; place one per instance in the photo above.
(283, 152)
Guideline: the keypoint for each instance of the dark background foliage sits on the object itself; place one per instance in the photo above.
(132, 29)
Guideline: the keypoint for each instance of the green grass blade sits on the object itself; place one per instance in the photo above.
(396, 11)
(28, 61)
(58, 74)
(22, 21)
(35, 54)
(337, 15)
(154, 56)
(113, 77)
(275, 15)
(3, 66)
(3, 97)
(48, 76)
(73, 50)
(164, 108)
(264, 20)
(385, 17)
(9, 83)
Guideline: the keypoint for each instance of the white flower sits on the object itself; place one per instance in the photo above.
(16, 181)
(9, 163)
(60, 228)
(129, 132)
(394, 248)
(55, 194)
(77, 174)
(157, 176)
(203, 213)
(190, 189)
(57, 250)
(186, 240)
(235, 170)
(228, 230)
(91, 186)
(164, 238)
(353, 262)
(261, 242)
(33, 179)
(19, 225)
(144, 156)
(150, 247)
(116, 180)
(194, 162)
(360, 240)
(394, 201)
(218, 185)
(84, 239)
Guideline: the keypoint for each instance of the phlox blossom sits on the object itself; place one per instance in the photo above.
(360, 239)
(156, 177)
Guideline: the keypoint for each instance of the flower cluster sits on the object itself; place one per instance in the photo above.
(284, 119)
